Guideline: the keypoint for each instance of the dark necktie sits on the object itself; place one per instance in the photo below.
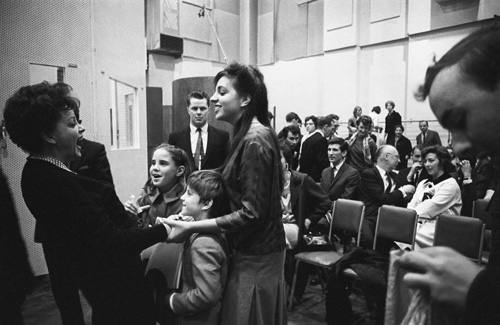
(198, 155)
(423, 138)
(389, 180)
(415, 177)
(332, 176)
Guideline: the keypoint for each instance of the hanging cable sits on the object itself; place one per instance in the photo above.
(201, 13)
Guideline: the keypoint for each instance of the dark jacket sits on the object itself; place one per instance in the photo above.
(93, 162)
(217, 146)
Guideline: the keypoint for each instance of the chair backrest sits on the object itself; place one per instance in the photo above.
(463, 234)
(479, 211)
(347, 215)
(397, 224)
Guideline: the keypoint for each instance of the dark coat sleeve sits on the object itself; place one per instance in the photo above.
(482, 299)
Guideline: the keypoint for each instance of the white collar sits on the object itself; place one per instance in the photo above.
(194, 129)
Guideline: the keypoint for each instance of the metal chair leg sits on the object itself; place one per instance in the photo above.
(294, 282)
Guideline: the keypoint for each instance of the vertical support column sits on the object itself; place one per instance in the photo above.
(248, 31)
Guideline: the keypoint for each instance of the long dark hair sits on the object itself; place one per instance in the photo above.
(248, 80)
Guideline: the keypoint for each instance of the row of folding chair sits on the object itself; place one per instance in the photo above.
(463, 234)
(393, 223)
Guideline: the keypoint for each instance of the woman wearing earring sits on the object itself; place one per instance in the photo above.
(255, 292)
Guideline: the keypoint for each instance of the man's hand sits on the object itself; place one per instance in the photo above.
(408, 189)
(443, 272)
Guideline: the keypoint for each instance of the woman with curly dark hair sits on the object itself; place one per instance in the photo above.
(437, 194)
(89, 241)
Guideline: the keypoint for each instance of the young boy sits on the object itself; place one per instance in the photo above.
(205, 257)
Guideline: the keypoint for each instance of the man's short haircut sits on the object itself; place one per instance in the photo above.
(366, 120)
(424, 121)
(477, 56)
(322, 121)
(343, 145)
(209, 185)
(333, 117)
(198, 95)
(291, 116)
(419, 147)
(376, 109)
(293, 129)
(399, 126)
(312, 118)
(381, 150)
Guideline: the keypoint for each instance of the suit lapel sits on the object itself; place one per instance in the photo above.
(210, 143)
(339, 174)
(187, 138)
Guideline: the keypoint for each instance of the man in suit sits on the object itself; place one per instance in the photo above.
(427, 137)
(304, 203)
(206, 146)
(93, 162)
(416, 173)
(379, 186)
(314, 152)
(339, 180)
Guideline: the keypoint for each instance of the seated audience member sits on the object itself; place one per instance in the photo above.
(339, 180)
(427, 137)
(352, 123)
(472, 185)
(304, 205)
(438, 194)
(161, 194)
(206, 257)
(402, 145)
(314, 156)
(361, 152)
(291, 134)
(89, 241)
(416, 172)
(93, 162)
(379, 186)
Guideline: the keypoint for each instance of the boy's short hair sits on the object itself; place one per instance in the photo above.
(209, 185)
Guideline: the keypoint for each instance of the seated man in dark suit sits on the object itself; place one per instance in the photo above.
(304, 204)
(339, 180)
(379, 186)
(206, 146)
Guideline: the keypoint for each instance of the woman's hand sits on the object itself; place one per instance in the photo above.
(132, 207)
(180, 217)
(180, 229)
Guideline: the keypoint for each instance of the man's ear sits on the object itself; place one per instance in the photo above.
(49, 138)
(344, 153)
(207, 205)
(246, 100)
(180, 171)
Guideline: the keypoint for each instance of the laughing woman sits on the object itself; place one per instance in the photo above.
(253, 176)
(88, 239)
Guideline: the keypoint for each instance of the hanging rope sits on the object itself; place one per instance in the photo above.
(201, 13)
